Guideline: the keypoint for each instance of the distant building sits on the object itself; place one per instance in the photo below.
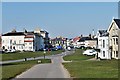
(87, 42)
(59, 41)
(45, 35)
(28, 41)
(103, 45)
(75, 42)
(113, 37)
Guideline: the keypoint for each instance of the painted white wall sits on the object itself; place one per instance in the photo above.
(37, 44)
(105, 49)
(17, 42)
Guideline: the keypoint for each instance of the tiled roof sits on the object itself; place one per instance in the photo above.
(76, 39)
(117, 22)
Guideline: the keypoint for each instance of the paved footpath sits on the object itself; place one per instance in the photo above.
(51, 70)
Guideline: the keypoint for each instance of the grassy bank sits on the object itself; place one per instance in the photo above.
(77, 56)
(22, 55)
(81, 68)
(11, 70)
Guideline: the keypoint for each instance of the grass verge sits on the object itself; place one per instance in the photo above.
(81, 68)
(22, 55)
(77, 56)
(12, 69)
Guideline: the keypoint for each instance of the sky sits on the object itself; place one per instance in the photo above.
(67, 19)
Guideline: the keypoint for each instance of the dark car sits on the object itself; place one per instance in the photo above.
(54, 49)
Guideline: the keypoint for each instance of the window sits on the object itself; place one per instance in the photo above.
(14, 47)
(117, 41)
(3, 41)
(116, 53)
(10, 47)
(21, 47)
(14, 42)
(10, 41)
(25, 43)
(30, 43)
(103, 43)
(19, 41)
(103, 53)
(30, 47)
(114, 40)
(3, 47)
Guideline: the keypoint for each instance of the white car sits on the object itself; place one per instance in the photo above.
(11, 50)
(69, 48)
(90, 52)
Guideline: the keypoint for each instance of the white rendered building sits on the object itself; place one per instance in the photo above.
(23, 41)
(103, 45)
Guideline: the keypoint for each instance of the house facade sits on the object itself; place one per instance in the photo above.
(87, 42)
(13, 41)
(23, 41)
(75, 42)
(45, 36)
(119, 44)
(91, 43)
(59, 41)
(113, 37)
(103, 45)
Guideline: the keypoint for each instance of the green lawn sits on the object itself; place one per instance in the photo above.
(77, 56)
(11, 70)
(22, 55)
(80, 68)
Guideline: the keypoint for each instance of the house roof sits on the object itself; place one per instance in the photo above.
(117, 22)
(103, 32)
(76, 39)
(13, 34)
(86, 38)
(59, 39)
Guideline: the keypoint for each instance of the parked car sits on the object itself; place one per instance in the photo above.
(69, 48)
(54, 49)
(90, 52)
(10, 50)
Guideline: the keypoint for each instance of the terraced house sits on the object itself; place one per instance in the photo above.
(23, 41)
(114, 35)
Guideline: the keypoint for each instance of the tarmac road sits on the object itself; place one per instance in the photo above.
(51, 70)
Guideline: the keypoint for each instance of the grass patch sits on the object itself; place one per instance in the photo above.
(22, 55)
(77, 56)
(93, 69)
(81, 68)
(11, 70)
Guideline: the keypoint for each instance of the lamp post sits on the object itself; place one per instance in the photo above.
(44, 53)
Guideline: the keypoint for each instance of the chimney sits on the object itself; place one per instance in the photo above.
(25, 31)
(14, 30)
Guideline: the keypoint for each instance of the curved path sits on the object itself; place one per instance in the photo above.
(51, 70)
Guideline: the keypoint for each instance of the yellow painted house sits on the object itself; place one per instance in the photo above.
(114, 35)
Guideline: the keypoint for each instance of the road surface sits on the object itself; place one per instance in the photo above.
(51, 70)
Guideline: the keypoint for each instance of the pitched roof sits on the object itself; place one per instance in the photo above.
(117, 22)
(103, 32)
(14, 34)
(76, 39)
(84, 38)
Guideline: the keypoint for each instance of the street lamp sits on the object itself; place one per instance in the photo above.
(44, 53)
